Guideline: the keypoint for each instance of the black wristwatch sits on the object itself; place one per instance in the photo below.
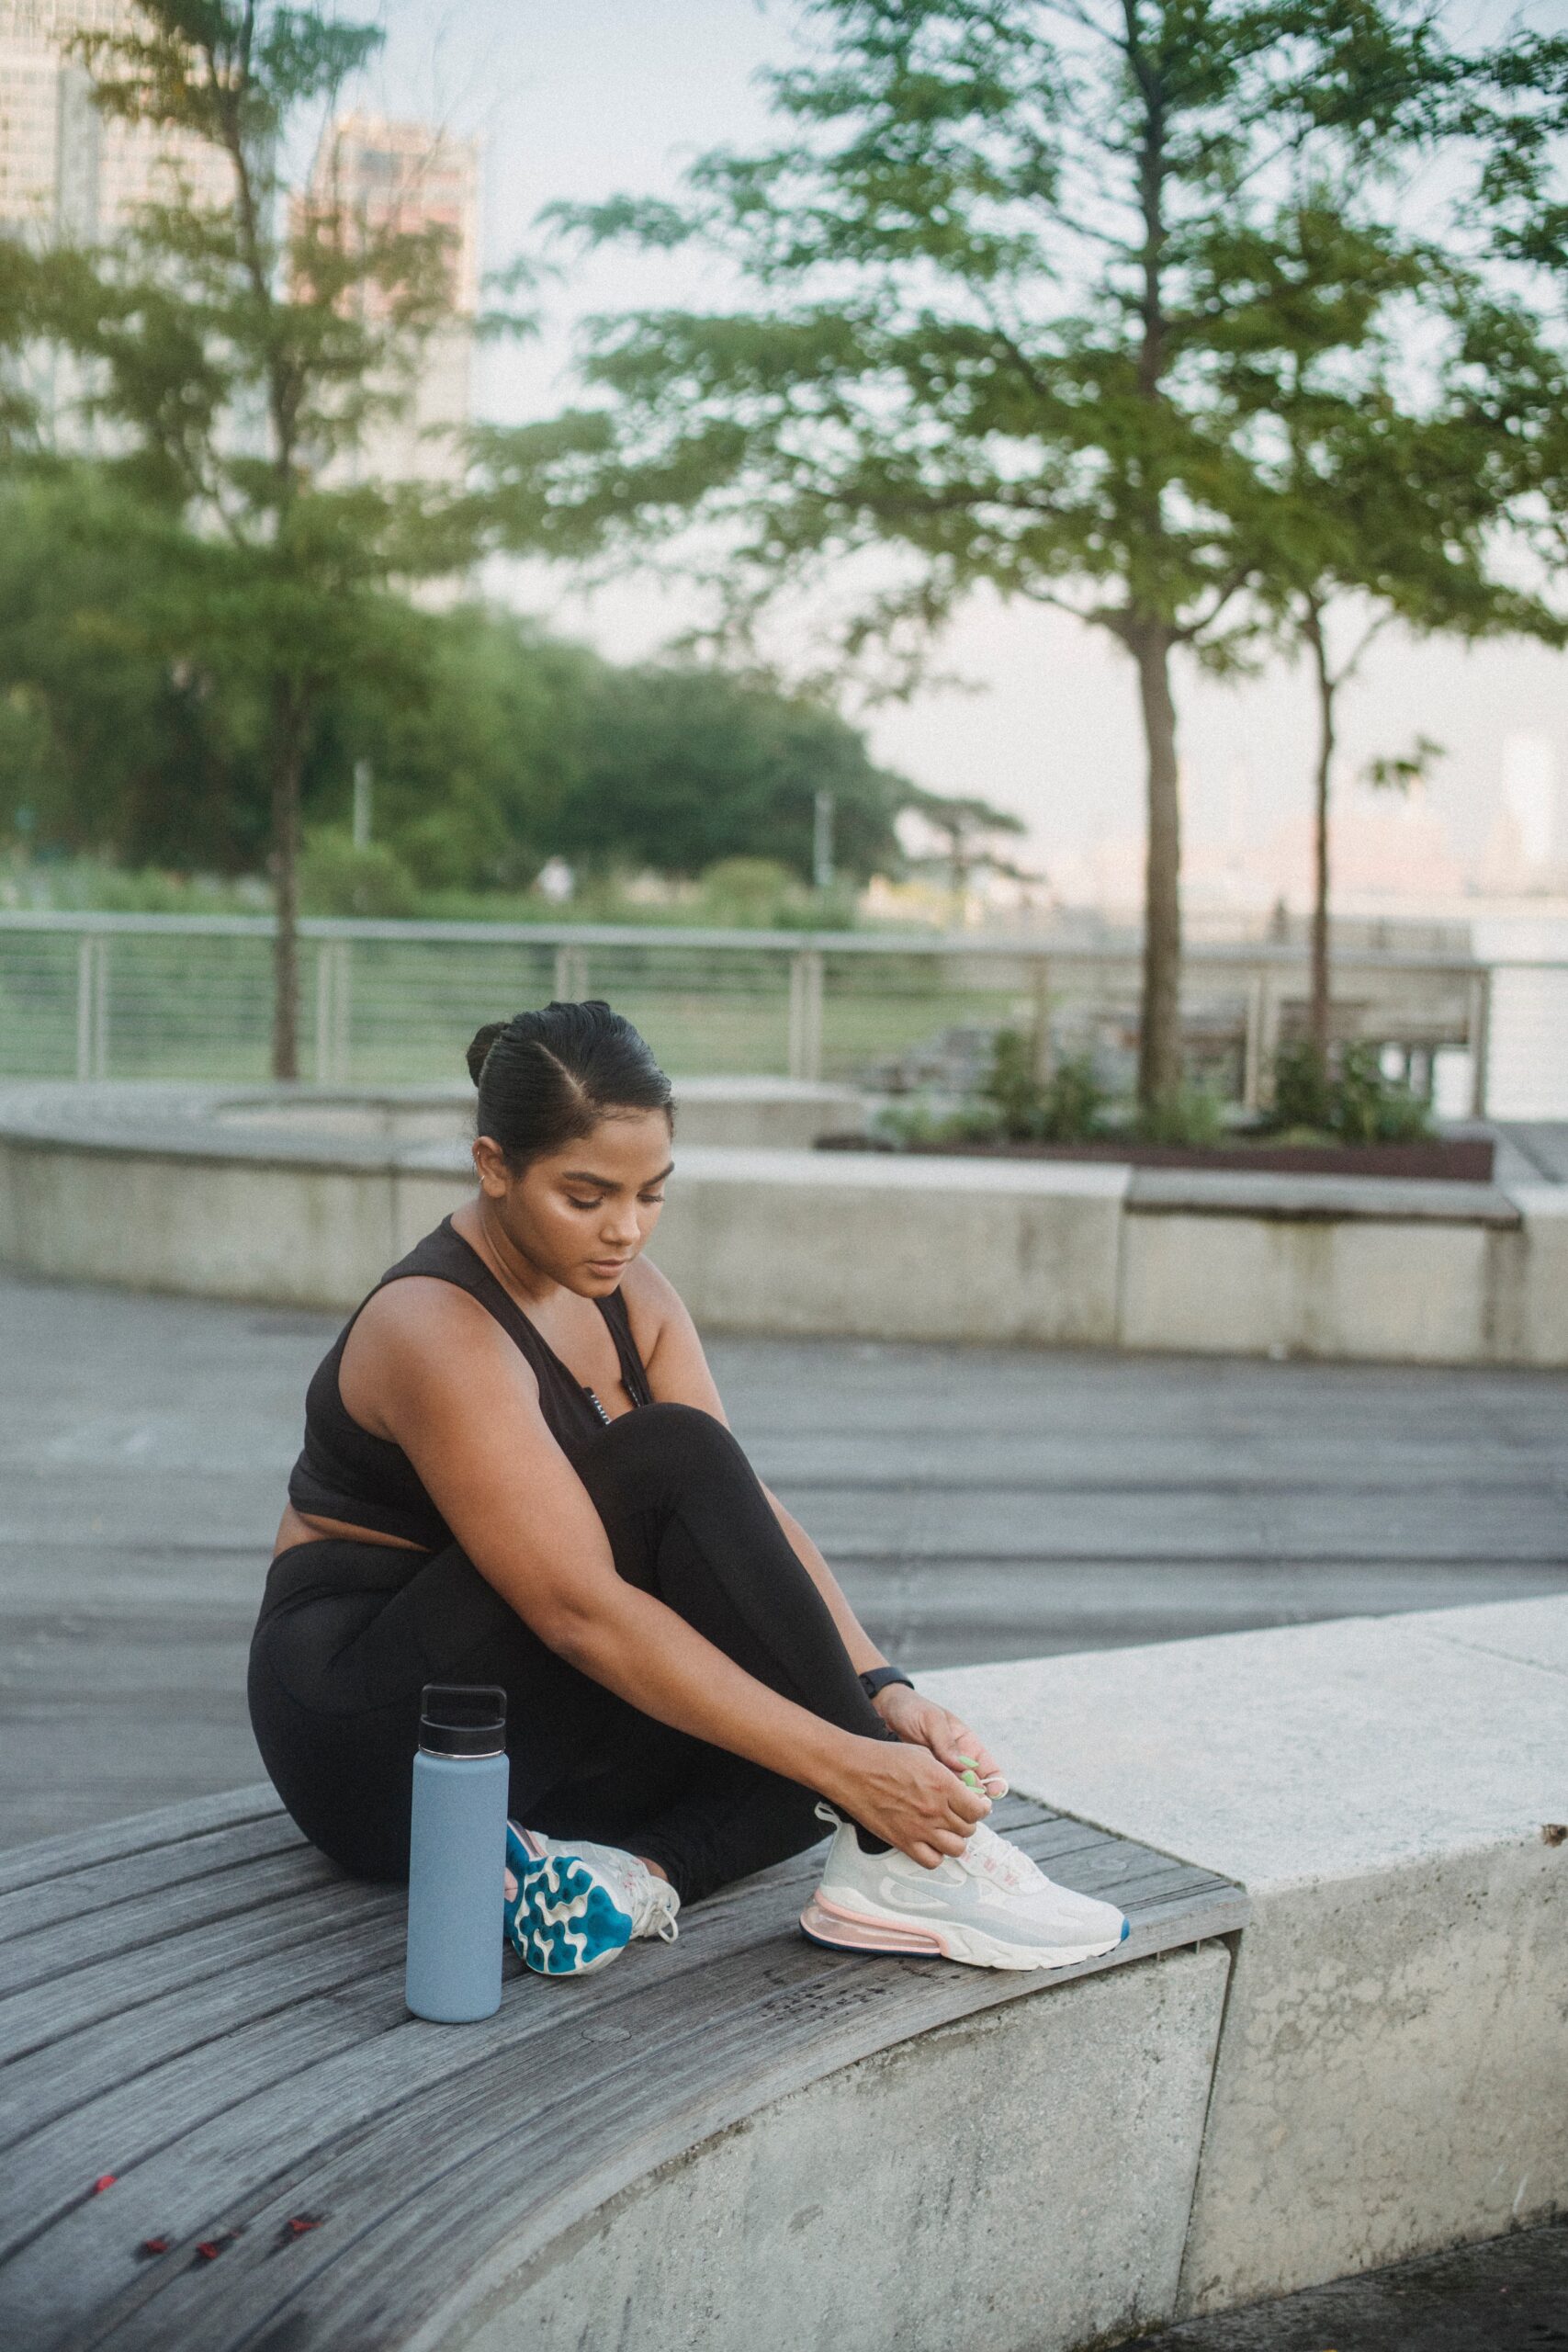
(880, 1677)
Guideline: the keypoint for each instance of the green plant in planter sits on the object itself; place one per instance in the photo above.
(1191, 1118)
(1303, 1092)
(1068, 1107)
(1369, 1108)
(1352, 1103)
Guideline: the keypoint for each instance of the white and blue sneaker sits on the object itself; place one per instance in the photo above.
(992, 1906)
(572, 1905)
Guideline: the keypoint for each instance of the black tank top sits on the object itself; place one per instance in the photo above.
(346, 1472)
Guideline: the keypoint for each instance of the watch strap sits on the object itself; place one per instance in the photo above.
(879, 1676)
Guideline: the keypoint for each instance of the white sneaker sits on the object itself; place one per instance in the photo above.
(572, 1905)
(989, 1906)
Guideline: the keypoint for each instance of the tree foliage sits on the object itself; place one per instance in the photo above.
(1002, 257)
(237, 353)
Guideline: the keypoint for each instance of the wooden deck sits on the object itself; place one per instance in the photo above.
(195, 2003)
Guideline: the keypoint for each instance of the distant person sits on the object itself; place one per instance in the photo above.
(517, 1470)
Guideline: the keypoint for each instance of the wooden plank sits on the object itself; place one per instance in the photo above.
(774, 2011)
(50, 2082)
(410, 2228)
(91, 1890)
(170, 1825)
(163, 1915)
(116, 1985)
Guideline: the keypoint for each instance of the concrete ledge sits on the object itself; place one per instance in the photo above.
(1391, 2072)
(1016, 2182)
(1328, 1200)
(306, 1202)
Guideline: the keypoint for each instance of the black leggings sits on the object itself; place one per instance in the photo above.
(349, 1632)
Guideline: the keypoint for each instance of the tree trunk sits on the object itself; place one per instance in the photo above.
(287, 763)
(1320, 976)
(1159, 1034)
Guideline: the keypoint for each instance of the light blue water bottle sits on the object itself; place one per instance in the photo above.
(457, 1853)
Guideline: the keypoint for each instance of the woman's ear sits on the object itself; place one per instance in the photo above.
(491, 1167)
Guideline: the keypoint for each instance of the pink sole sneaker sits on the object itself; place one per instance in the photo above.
(829, 1923)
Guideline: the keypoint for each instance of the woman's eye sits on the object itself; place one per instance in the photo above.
(576, 1203)
(654, 1200)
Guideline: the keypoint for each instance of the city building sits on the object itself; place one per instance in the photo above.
(69, 173)
(407, 178)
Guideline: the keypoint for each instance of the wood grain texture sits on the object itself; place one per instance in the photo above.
(244, 2055)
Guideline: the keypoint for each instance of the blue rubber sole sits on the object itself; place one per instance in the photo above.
(563, 1921)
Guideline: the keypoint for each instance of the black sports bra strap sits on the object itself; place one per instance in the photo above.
(635, 1378)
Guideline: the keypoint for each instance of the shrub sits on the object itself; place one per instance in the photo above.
(336, 877)
(1193, 1118)
(1354, 1102)
(1068, 1108)
(1303, 1091)
(1369, 1108)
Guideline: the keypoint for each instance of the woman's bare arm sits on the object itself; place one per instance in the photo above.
(452, 1390)
(678, 1374)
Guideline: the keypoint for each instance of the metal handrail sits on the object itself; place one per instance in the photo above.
(1029, 947)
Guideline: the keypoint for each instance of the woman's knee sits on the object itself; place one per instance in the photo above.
(654, 1454)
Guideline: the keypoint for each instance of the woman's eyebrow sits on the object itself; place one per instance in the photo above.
(608, 1183)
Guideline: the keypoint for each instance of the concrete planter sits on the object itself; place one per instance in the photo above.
(1460, 1159)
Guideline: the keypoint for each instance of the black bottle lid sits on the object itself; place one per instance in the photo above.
(463, 1719)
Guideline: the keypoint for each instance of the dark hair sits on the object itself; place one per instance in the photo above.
(546, 1079)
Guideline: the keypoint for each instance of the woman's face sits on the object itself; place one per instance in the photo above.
(581, 1214)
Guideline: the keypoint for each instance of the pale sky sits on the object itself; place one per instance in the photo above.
(584, 99)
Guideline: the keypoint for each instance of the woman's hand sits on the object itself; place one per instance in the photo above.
(903, 1794)
(919, 1719)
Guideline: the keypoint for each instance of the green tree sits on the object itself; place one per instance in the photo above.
(1388, 492)
(240, 352)
(989, 254)
(1513, 108)
(682, 766)
(110, 747)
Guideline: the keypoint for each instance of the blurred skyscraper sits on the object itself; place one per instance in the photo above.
(68, 175)
(408, 179)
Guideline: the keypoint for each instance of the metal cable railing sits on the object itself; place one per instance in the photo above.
(189, 998)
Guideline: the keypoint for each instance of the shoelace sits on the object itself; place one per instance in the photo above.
(988, 1856)
(985, 1855)
(654, 1904)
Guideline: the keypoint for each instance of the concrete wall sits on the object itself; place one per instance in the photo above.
(1037, 2167)
(1378, 2070)
(875, 1247)
(868, 1246)
(1392, 2072)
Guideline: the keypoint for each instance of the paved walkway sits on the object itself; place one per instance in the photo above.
(1509, 2295)
(1541, 1146)
(979, 1504)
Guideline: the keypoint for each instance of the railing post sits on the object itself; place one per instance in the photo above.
(86, 969)
(1480, 1039)
(1252, 1046)
(333, 1003)
(101, 1013)
(1040, 1044)
(92, 1007)
(342, 951)
(324, 1010)
(805, 1014)
(572, 975)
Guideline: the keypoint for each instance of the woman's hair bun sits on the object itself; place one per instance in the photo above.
(547, 1078)
(483, 1040)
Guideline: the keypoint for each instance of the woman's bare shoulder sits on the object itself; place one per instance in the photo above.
(652, 1303)
(418, 1306)
(420, 1329)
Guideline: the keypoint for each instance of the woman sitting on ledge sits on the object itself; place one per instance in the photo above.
(517, 1470)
